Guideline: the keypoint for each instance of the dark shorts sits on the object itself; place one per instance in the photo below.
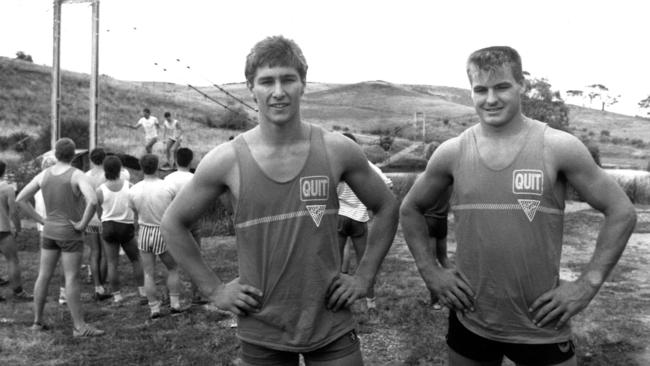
(344, 346)
(477, 348)
(117, 232)
(352, 228)
(437, 227)
(62, 245)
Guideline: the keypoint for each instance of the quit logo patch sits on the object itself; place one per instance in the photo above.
(314, 188)
(528, 181)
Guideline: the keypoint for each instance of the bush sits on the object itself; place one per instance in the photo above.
(20, 55)
(236, 118)
(604, 133)
(594, 150)
(17, 141)
(74, 128)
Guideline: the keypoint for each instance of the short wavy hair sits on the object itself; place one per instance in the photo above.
(490, 58)
(275, 51)
(64, 149)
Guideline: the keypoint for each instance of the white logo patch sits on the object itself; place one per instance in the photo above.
(316, 212)
(529, 207)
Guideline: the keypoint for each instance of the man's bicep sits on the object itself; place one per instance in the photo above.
(368, 186)
(194, 199)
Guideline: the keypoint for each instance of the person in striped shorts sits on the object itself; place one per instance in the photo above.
(149, 199)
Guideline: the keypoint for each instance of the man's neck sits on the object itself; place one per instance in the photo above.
(511, 128)
(283, 134)
(150, 177)
(183, 168)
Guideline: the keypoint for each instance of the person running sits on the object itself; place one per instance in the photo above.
(93, 237)
(290, 296)
(117, 226)
(148, 199)
(353, 223)
(151, 127)
(64, 190)
(172, 134)
(8, 247)
(176, 181)
(509, 175)
(437, 225)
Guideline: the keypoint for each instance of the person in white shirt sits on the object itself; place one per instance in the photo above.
(151, 127)
(172, 134)
(149, 199)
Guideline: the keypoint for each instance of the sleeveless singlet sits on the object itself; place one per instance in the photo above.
(287, 247)
(509, 226)
(5, 220)
(62, 204)
(115, 205)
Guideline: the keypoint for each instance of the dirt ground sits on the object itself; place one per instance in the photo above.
(613, 330)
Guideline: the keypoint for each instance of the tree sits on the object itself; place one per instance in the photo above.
(602, 93)
(540, 102)
(20, 55)
(644, 104)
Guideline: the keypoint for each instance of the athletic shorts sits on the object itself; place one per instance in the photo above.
(93, 229)
(352, 228)
(437, 227)
(480, 349)
(150, 240)
(68, 246)
(344, 346)
(117, 232)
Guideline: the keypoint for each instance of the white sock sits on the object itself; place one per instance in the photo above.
(174, 301)
(117, 296)
(370, 302)
(141, 291)
(154, 306)
(100, 290)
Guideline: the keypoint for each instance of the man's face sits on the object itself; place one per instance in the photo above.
(277, 91)
(496, 94)
(146, 114)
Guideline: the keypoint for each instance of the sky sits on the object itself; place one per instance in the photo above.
(570, 43)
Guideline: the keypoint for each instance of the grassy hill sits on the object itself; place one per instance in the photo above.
(370, 109)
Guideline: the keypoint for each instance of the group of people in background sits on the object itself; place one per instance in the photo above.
(301, 191)
(171, 131)
(103, 209)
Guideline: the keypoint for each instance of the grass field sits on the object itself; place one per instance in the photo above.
(613, 330)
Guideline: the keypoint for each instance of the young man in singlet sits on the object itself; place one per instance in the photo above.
(290, 296)
(8, 216)
(149, 199)
(172, 134)
(64, 189)
(151, 127)
(509, 175)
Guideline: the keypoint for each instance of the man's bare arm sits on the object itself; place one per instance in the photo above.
(375, 195)
(451, 286)
(80, 180)
(604, 194)
(28, 193)
(213, 176)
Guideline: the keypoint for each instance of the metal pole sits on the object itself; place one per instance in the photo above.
(94, 78)
(56, 75)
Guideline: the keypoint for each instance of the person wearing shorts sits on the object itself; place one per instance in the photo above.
(8, 216)
(149, 199)
(64, 189)
(290, 297)
(176, 181)
(172, 134)
(151, 127)
(437, 225)
(93, 237)
(509, 175)
(117, 226)
(353, 223)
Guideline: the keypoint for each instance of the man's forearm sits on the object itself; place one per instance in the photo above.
(415, 230)
(30, 211)
(185, 251)
(380, 238)
(611, 242)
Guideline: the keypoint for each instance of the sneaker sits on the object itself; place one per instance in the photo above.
(101, 297)
(436, 306)
(155, 315)
(3, 282)
(62, 299)
(373, 316)
(178, 310)
(23, 296)
(144, 301)
(87, 331)
(199, 300)
(2, 299)
(39, 327)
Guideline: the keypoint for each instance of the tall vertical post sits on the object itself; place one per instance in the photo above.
(94, 78)
(56, 75)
